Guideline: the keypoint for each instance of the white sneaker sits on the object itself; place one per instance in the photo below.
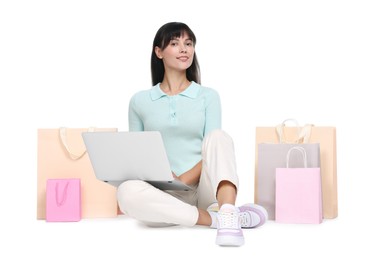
(252, 215)
(229, 228)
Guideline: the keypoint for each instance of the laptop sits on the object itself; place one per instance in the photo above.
(120, 156)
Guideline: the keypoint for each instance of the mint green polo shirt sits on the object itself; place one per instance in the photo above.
(183, 120)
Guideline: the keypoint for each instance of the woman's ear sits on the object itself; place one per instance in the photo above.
(158, 52)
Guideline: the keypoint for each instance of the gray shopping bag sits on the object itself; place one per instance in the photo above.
(272, 156)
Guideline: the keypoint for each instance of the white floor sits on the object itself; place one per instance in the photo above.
(123, 238)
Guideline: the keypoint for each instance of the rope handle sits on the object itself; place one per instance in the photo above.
(303, 135)
(63, 138)
(64, 194)
(291, 120)
(301, 150)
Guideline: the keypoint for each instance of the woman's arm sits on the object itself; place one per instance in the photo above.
(191, 176)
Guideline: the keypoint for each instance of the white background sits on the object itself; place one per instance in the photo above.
(76, 64)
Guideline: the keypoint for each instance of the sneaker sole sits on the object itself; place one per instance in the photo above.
(230, 241)
(261, 211)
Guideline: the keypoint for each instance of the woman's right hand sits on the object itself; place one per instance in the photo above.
(192, 176)
(175, 176)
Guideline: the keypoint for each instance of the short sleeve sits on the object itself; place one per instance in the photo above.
(134, 121)
(213, 112)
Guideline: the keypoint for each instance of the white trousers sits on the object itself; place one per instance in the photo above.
(142, 201)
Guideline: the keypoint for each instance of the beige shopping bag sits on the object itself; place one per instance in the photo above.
(326, 137)
(62, 154)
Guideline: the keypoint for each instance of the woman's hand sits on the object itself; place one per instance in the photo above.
(175, 176)
(190, 177)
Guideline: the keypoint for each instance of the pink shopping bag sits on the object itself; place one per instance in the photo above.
(63, 200)
(298, 193)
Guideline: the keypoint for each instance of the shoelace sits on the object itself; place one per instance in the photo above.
(228, 220)
(245, 219)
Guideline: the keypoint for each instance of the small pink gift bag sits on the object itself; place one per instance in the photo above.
(298, 193)
(63, 200)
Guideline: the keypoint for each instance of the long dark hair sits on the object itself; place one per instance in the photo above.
(163, 37)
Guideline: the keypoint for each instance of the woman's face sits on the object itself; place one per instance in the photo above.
(179, 53)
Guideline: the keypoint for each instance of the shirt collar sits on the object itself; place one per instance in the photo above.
(191, 91)
(156, 92)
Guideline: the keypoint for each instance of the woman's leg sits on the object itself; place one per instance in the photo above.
(142, 201)
(219, 180)
(219, 183)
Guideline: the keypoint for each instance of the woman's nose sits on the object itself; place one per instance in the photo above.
(182, 48)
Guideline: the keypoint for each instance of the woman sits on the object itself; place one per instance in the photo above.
(188, 116)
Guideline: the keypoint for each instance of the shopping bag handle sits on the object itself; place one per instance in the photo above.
(63, 137)
(303, 136)
(64, 194)
(301, 150)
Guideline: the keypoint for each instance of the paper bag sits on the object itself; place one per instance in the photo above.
(63, 201)
(62, 154)
(298, 193)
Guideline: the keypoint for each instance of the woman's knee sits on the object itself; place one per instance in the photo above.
(127, 193)
(217, 136)
(218, 133)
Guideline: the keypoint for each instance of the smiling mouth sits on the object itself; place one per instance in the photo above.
(183, 58)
